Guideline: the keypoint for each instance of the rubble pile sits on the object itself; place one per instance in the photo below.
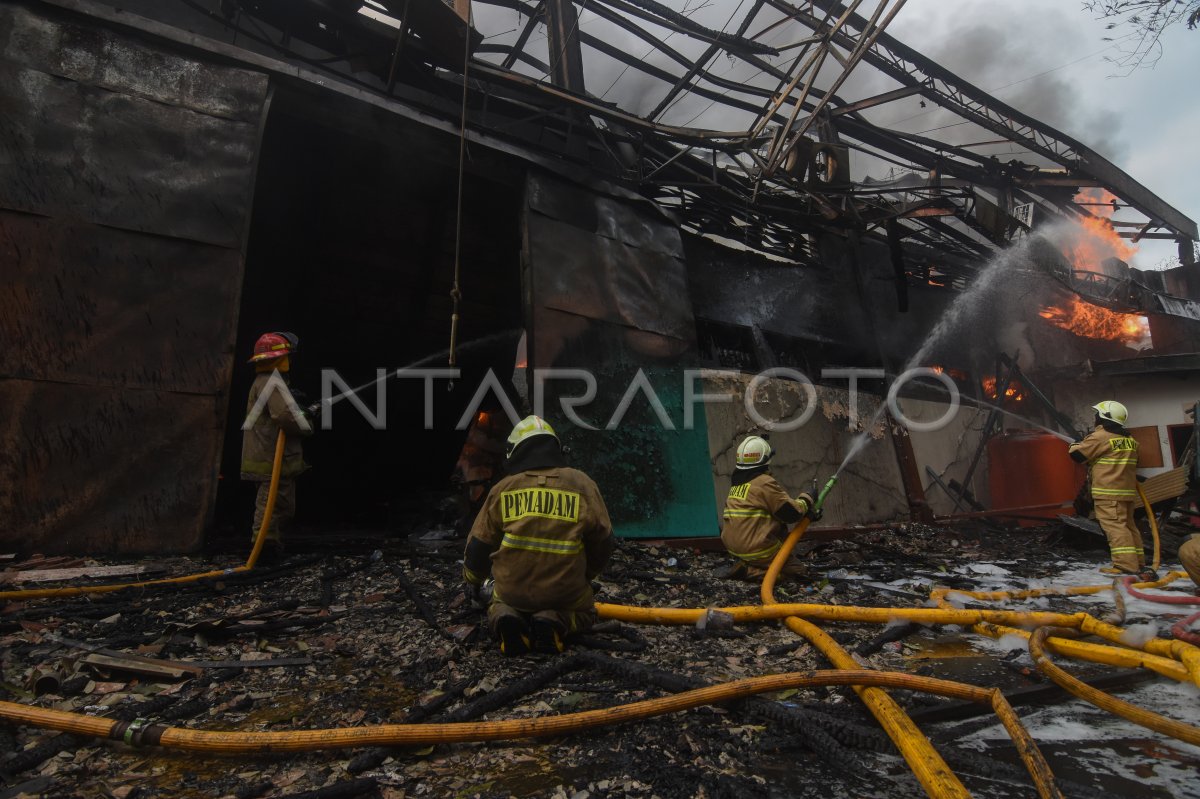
(365, 632)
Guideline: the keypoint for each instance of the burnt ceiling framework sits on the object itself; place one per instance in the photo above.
(761, 126)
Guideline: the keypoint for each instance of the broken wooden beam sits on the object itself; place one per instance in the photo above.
(51, 575)
(146, 667)
(126, 657)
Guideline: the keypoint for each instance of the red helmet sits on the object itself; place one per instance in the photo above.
(272, 345)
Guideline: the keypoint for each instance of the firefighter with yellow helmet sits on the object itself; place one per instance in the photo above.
(542, 534)
(270, 408)
(1111, 455)
(1189, 556)
(758, 513)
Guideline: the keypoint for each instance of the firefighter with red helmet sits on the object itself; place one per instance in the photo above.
(1111, 455)
(542, 534)
(758, 513)
(271, 407)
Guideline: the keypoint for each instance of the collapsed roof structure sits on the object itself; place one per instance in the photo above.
(623, 181)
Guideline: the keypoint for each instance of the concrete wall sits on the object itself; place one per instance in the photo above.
(1151, 399)
(870, 489)
(948, 451)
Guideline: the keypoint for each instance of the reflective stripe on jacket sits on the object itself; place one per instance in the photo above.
(1112, 463)
(258, 442)
(756, 515)
(549, 533)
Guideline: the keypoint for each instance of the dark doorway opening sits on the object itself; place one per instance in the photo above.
(352, 248)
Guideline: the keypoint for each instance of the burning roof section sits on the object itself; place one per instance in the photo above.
(760, 122)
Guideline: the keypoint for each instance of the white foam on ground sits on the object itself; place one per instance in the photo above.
(1081, 737)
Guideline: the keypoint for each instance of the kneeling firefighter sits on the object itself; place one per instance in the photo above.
(758, 513)
(543, 534)
(1111, 455)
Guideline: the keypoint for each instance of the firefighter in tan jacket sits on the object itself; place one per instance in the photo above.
(1112, 456)
(269, 409)
(542, 534)
(1189, 556)
(758, 513)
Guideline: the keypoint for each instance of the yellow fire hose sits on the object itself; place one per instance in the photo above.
(1179, 651)
(1107, 702)
(140, 732)
(1153, 526)
(1117, 656)
(930, 769)
(927, 765)
(276, 467)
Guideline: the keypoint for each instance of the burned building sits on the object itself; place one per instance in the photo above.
(407, 185)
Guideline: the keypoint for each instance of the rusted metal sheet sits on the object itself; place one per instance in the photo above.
(90, 145)
(124, 205)
(622, 263)
(104, 469)
(609, 293)
(94, 305)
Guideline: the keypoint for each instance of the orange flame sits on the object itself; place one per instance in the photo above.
(1102, 201)
(957, 374)
(1092, 321)
(1014, 392)
(1097, 238)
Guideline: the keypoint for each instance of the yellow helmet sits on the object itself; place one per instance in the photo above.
(753, 452)
(1112, 410)
(526, 429)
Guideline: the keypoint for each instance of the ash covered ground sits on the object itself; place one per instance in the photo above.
(371, 630)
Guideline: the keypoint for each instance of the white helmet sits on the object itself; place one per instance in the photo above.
(753, 452)
(1112, 410)
(526, 429)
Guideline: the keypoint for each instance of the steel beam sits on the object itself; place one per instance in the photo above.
(948, 90)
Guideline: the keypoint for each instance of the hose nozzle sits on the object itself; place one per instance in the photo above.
(825, 491)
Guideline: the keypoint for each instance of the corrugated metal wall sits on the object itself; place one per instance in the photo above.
(607, 290)
(126, 174)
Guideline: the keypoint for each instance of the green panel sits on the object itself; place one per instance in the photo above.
(656, 482)
(691, 510)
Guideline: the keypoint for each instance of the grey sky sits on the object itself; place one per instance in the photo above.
(1147, 122)
(1044, 57)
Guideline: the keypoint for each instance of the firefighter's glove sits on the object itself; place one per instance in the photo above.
(810, 505)
(481, 595)
(312, 415)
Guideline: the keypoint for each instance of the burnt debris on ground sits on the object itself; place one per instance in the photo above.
(354, 631)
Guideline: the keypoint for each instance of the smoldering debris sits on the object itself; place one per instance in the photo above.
(348, 636)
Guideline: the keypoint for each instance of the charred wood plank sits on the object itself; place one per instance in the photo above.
(1031, 695)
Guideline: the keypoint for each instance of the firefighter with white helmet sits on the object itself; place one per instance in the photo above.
(758, 513)
(542, 534)
(271, 407)
(1111, 455)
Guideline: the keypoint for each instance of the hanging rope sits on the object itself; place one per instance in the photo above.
(455, 290)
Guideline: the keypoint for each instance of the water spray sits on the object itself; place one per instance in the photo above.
(316, 407)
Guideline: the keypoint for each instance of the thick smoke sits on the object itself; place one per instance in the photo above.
(984, 47)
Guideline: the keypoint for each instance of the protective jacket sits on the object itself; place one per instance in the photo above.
(1189, 556)
(258, 437)
(1112, 459)
(757, 514)
(542, 534)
